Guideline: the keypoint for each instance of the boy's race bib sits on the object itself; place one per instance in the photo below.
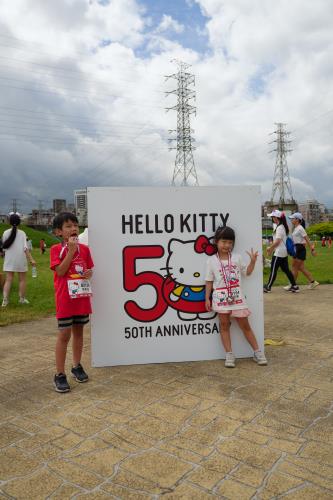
(79, 288)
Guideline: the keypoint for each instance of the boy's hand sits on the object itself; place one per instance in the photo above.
(253, 255)
(88, 274)
(72, 244)
(208, 305)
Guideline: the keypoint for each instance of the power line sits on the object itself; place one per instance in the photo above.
(65, 115)
(55, 87)
(55, 68)
(52, 54)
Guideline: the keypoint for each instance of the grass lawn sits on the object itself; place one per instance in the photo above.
(39, 293)
(32, 234)
(320, 266)
(40, 290)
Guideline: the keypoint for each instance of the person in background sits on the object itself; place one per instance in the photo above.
(42, 246)
(29, 244)
(16, 259)
(279, 250)
(301, 239)
(83, 237)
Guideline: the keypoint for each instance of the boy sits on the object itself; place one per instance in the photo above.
(72, 265)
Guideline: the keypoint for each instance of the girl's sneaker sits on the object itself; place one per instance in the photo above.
(267, 289)
(294, 289)
(229, 360)
(23, 300)
(260, 358)
(60, 383)
(312, 285)
(79, 374)
(5, 302)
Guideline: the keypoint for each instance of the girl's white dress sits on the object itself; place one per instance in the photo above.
(220, 289)
(15, 257)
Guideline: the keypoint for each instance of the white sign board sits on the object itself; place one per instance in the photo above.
(148, 286)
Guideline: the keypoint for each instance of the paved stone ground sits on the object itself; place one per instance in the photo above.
(178, 430)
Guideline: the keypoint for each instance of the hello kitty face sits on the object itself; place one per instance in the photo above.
(184, 264)
(79, 269)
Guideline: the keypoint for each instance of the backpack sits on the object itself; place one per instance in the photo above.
(290, 246)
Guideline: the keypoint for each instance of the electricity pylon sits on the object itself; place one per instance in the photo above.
(184, 173)
(281, 179)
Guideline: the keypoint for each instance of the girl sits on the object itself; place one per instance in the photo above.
(300, 239)
(16, 255)
(280, 256)
(224, 275)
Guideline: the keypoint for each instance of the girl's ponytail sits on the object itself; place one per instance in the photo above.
(283, 221)
(14, 220)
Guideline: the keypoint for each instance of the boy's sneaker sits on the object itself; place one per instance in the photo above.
(287, 288)
(79, 374)
(5, 302)
(229, 360)
(60, 383)
(260, 358)
(23, 300)
(267, 289)
(294, 289)
(313, 285)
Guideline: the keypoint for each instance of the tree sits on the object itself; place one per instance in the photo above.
(321, 229)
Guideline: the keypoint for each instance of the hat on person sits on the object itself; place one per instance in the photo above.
(275, 213)
(296, 215)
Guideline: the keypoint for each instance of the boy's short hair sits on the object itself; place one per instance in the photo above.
(63, 217)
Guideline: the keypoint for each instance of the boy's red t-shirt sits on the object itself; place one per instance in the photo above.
(65, 306)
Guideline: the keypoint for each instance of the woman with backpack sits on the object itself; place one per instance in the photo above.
(301, 239)
(16, 254)
(279, 250)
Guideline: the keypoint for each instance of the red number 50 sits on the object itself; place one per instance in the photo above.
(133, 280)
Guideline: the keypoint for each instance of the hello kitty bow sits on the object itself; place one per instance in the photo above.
(202, 245)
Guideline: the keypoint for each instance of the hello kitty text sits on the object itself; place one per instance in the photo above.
(184, 223)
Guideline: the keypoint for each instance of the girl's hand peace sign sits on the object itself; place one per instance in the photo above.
(253, 255)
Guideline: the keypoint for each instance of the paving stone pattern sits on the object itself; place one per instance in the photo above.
(178, 430)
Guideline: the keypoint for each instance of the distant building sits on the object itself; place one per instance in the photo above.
(4, 218)
(59, 206)
(312, 211)
(81, 206)
(287, 208)
(41, 218)
(329, 215)
(70, 208)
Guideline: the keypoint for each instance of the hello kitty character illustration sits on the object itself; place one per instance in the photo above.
(184, 287)
(79, 271)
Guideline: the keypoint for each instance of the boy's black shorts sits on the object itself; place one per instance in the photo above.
(72, 320)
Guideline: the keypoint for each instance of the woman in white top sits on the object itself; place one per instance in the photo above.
(280, 255)
(301, 239)
(16, 255)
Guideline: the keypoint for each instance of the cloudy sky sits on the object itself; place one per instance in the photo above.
(83, 99)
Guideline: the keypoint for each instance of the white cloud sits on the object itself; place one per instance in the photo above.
(95, 105)
(169, 24)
